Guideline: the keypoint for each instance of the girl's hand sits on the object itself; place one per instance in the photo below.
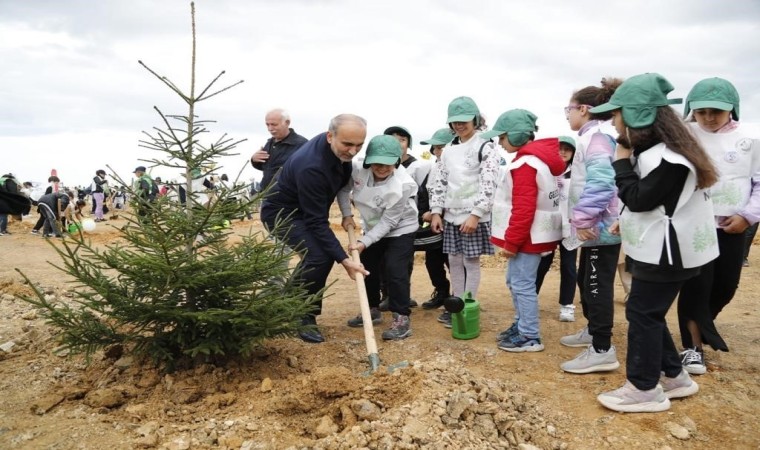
(359, 247)
(470, 225)
(436, 223)
(622, 152)
(614, 229)
(585, 234)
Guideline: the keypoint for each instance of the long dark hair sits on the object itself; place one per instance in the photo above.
(595, 96)
(670, 130)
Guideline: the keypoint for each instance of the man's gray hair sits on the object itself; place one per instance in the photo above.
(282, 112)
(340, 119)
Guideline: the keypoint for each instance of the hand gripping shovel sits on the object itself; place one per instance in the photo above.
(369, 332)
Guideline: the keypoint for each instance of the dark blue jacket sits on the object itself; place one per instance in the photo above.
(279, 152)
(306, 188)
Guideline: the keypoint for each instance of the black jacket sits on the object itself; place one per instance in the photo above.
(279, 152)
(306, 188)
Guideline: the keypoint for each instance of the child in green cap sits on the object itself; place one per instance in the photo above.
(526, 219)
(662, 175)
(461, 198)
(383, 192)
(712, 112)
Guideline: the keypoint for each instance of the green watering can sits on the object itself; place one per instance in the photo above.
(465, 316)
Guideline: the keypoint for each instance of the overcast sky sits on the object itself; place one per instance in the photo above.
(73, 97)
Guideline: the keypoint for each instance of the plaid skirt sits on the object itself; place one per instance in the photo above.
(471, 245)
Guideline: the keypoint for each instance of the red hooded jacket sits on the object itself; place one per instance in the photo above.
(524, 197)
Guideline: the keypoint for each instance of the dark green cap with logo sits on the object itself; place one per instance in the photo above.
(383, 149)
(638, 98)
(715, 93)
(517, 124)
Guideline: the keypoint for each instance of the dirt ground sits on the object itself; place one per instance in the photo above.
(454, 394)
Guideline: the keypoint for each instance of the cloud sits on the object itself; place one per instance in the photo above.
(71, 82)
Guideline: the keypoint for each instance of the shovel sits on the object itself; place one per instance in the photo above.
(369, 332)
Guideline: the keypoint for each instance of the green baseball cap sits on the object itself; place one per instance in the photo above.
(517, 124)
(715, 93)
(440, 137)
(567, 140)
(383, 149)
(639, 97)
(462, 109)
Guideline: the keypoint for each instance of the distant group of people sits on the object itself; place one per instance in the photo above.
(674, 196)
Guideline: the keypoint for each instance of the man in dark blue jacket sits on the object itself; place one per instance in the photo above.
(304, 191)
(279, 148)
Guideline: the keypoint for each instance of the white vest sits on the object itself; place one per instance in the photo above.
(737, 158)
(564, 194)
(463, 184)
(418, 170)
(372, 201)
(644, 233)
(547, 220)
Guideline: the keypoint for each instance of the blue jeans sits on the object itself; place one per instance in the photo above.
(521, 281)
(3, 222)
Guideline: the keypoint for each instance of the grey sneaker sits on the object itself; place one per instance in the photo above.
(357, 322)
(589, 361)
(400, 328)
(693, 361)
(579, 339)
(680, 386)
(509, 333)
(445, 319)
(630, 399)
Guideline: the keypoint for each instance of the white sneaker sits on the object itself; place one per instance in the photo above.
(579, 339)
(680, 386)
(567, 313)
(631, 399)
(693, 361)
(589, 361)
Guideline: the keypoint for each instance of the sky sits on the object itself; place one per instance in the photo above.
(73, 96)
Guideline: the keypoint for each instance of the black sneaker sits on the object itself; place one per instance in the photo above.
(693, 361)
(435, 302)
(357, 322)
(5, 232)
(313, 335)
(445, 319)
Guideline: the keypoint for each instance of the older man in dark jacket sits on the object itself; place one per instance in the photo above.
(303, 193)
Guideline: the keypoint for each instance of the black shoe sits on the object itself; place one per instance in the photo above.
(435, 302)
(383, 304)
(313, 335)
(413, 303)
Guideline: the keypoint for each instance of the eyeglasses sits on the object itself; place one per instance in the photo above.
(569, 108)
